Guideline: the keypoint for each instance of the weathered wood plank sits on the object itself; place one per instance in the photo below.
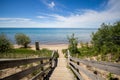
(17, 62)
(112, 69)
(45, 67)
(24, 73)
(87, 72)
(76, 73)
(98, 62)
(40, 74)
(107, 63)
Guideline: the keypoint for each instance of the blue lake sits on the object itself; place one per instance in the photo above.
(50, 35)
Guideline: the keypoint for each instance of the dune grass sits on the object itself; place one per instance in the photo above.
(25, 53)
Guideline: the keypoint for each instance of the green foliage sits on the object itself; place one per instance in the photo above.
(111, 77)
(56, 54)
(105, 44)
(85, 50)
(44, 52)
(73, 42)
(81, 44)
(22, 39)
(64, 51)
(26, 53)
(104, 40)
(5, 44)
(35, 72)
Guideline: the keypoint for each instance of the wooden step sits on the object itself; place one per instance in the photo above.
(61, 72)
(61, 78)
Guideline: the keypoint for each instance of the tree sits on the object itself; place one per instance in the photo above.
(73, 42)
(5, 44)
(104, 40)
(22, 39)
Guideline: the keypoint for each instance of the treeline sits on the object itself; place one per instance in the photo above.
(8, 51)
(6, 45)
(107, 39)
(105, 44)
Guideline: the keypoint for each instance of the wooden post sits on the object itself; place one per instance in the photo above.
(52, 60)
(37, 45)
(42, 68)
(51, 63)
(78, 65)
(68, 55)
(41, 62)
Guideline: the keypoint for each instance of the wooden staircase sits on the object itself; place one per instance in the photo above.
(62, 72)
(83, 69)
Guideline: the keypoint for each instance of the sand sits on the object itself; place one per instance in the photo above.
(48, 46)
(54, 46)
(51, 46)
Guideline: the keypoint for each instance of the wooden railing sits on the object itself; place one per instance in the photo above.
(44, 64)
(75, 65)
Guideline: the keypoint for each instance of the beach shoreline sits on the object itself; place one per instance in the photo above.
(47, 46)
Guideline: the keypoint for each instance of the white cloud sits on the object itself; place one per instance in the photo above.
(86, 18)
(14, 19)
(4, 18)
(48, 3)
(41, 17)
(90, 18)
(51, 5)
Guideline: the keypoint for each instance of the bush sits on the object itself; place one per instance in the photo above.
(104, 40)
(5, 44)
(64, 51)
(22, 39)
(73, 42)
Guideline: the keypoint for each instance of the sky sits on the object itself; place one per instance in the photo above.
(58, 13)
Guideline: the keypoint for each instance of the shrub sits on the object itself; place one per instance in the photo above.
(22, 39)
(5, 44)
(64, 51)
(104, 40)
(73, 42)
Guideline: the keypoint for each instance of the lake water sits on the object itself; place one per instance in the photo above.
(50, 35)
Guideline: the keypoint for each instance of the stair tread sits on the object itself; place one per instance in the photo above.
(61, 72)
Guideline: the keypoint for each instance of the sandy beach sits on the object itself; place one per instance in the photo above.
(48, 46)
(51, 46)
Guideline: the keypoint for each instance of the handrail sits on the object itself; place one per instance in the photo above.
(43, 62)
(112, 69)
(9, 63)
(74, 64)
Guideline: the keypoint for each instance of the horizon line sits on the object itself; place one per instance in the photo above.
(50, 27)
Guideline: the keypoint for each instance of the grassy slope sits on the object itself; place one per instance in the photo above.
(25, 53)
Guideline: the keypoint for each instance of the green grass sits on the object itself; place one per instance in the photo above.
(25, 53)
(90, 52)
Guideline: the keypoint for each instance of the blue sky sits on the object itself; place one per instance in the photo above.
(58, 13)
